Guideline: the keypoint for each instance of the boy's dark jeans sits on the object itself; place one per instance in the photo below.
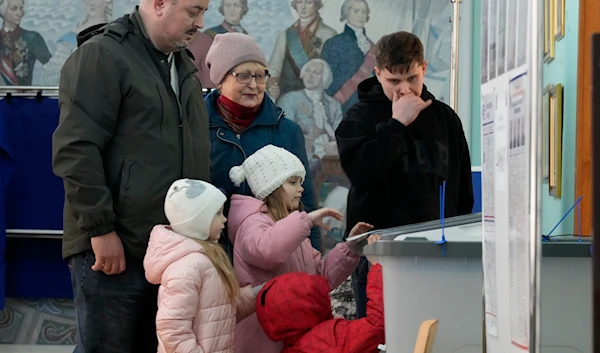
(359, 286)
(114, 313)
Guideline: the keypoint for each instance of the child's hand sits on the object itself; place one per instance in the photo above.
(373, 238)
(317, 216)
(359, 228)
(357, 245)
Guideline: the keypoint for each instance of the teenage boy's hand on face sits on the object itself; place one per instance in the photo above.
(406, 108)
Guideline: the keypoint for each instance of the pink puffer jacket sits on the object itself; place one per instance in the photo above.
(263, 249)
(195, 314)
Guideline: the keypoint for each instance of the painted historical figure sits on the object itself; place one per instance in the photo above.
(317, 113)
(350, 54)
(19, 48)
(295, 46)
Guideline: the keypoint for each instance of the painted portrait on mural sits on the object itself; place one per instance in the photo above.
(296, 45)
(317, 113)
(48, 29)
(20, 48)
(350, 54)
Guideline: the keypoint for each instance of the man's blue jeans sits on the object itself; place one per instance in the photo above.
(114, 313)
(359, 286)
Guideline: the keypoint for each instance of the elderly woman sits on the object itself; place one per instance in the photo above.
(242, 121)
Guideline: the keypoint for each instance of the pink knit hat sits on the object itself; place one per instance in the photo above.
(228, 50)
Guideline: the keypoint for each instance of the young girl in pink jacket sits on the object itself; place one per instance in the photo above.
(270, 233)
(199, 299)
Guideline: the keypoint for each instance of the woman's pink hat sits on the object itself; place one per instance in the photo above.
(229, 50)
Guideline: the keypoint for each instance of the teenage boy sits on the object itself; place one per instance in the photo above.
(397, 145)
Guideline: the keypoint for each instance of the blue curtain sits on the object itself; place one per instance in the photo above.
(34, 197)
(6, 170)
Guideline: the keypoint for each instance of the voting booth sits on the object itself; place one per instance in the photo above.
(424, 279)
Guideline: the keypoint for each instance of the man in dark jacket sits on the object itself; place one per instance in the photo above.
(132, 121)
(398, 144)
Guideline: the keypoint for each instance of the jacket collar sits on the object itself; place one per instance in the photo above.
(269, 113)
(136, 19)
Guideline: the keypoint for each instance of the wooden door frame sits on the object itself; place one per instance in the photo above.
(588, 24)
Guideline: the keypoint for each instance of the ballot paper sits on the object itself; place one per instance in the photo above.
(362, 236)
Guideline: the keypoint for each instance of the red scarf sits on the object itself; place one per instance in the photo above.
(236, 116)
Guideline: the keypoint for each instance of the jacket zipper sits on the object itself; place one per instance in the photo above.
(281, 114)
(187, 76)
(237, 145)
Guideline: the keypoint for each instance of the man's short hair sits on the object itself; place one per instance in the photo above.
(398, 52)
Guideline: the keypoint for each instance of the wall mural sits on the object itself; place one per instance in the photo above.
(318, 52)
(37, 36)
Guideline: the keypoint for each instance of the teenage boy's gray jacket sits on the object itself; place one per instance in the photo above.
(123, 138)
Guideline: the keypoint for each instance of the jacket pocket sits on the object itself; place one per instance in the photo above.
(123, 183)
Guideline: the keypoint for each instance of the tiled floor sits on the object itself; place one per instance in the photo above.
(40, 322)
(30, 348)
(48, 325)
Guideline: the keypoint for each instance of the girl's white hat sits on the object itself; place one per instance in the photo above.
(190, 207)
(267, 169)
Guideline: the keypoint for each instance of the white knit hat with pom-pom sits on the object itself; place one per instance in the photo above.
(266, 170)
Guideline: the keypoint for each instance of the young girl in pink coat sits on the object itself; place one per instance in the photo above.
(199, 299)
(270, 233)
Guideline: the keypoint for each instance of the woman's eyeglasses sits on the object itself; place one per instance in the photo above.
(245, 78)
